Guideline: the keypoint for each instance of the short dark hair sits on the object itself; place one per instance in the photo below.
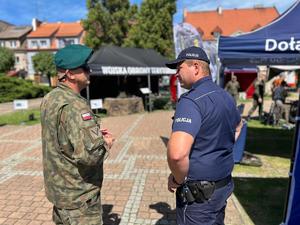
(204, 65)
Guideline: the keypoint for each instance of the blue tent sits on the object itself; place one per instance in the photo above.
(275, 44)
(278, 43)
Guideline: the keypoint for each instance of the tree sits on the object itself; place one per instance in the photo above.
(43, 63)
(7, 59)
(107, 22)
(153, 28)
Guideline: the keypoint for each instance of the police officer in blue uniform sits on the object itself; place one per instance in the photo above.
(205, 126)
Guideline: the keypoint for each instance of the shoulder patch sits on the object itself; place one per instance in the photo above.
(183, 120)
(95, 132)
(86, 116)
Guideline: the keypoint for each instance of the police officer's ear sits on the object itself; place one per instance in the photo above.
(197, 67)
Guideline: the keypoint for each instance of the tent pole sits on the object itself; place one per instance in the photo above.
(291, 184)
(88, 94)
(218, 62)
(149, 98)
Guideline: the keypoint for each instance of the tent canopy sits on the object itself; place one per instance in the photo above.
(113, 60)
(275, 44)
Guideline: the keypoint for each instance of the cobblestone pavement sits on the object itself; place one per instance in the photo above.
(134, 189)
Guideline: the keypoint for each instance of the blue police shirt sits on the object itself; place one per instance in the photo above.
(209, 114)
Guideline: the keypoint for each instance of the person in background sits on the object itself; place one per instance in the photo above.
(74, 146)
(233, 87)
(279, 96)
(258, 97)
(205, 126)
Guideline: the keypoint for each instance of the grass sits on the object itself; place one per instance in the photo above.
(262, 190)
(262, 198)
(22, 117)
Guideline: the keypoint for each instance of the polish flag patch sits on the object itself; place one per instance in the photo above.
(86, 116)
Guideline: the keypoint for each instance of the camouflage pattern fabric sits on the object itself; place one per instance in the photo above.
(233, 88)
(73, 149)
(89, 214)
(259, 89)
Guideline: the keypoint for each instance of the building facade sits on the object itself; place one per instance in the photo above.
(14, 38)
(51, 37)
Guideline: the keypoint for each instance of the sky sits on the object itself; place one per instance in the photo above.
(21, 12)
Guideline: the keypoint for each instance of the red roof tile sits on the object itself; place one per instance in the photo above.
(230, 21)
(44, 30)
(69, 29)
(57, 29)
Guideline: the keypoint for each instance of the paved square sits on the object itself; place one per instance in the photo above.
(135, 184)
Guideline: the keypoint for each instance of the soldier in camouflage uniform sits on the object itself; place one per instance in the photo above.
(233, 87)
(258, 96)
(74, 146)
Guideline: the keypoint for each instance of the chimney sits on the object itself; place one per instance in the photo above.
(184, 13)
(35, 23)
(219, 10)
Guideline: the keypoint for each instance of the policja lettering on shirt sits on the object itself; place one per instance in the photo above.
(183, 120)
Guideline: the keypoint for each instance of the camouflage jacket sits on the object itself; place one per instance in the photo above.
(73, 149)
(259, 89)
(232, 87)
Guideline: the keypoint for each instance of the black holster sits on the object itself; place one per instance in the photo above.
(199, 192)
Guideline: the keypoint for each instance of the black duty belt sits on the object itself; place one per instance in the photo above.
(200, 191)
(223, 182)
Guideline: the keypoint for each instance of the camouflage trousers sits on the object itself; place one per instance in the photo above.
(89, 214)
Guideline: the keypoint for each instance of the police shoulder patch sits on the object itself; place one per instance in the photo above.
(183, 120)
(86, 116)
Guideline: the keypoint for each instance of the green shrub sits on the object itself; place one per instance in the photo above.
(161, 102)
(15, 88)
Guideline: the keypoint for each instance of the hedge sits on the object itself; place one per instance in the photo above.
(15, 88)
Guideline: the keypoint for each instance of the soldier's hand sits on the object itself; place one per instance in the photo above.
(109, 139)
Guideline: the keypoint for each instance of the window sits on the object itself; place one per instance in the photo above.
(2, 44)
(17, 59)
(43, 43)
(13, 44)
(34, 44)
(67, 41)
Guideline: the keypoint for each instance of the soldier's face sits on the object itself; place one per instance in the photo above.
(81, 77)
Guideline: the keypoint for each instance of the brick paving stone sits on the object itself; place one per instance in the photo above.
(34, 153)
(35, 223)
(32, 165)
(17, 215)
(10, 221)
(9, 149)
(35, 133)
(135, 182)
(8, 129)
(22, 222)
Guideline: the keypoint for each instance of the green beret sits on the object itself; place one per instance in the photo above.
(72, 56)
